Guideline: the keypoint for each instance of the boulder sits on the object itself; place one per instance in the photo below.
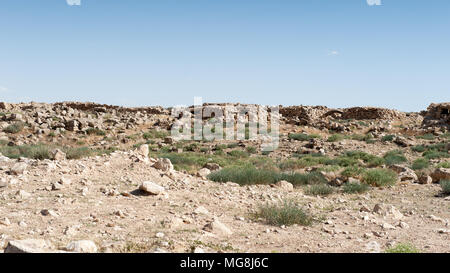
(18, 168)
(218, 228)
(28, 246)
(163, 164)
(58, 155)
(285, 185)
(83, 246)
(151, 188)
(440, 174)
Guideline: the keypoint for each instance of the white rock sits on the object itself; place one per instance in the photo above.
(5, 221)
(83, 246)
(218, 228)
(21, 194)
(163, 164)
(285, 185)
(19, 168)
(201, 210)
(28, 246)
(203, 172)
(373, 247)
(151, 188)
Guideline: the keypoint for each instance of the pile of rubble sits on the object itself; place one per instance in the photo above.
(437, 115)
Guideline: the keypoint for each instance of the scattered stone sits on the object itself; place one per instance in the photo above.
(425, 180)
(28, 246)
(440, 174)
(163, 164)
(18, 168)
(201, 210)
(203, 173)
(151, 188)
(218, 228)
(58, 155)
(387, 210)
(373, 247)
(285, 185)
(3, 183)
(21, 194)
(212, 166)
(5, 221)
(83, 246)
(48, 212)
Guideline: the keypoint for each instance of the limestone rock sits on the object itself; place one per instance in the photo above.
(440, 174)
(19, 168)
(58, 155)
(163, 164)
(285, 185)
(151, 188)
(28, 246)
(218, 228)
(83, 246)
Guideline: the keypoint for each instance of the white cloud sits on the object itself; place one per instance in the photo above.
(73, 2)
(374, 2)
(333, 53)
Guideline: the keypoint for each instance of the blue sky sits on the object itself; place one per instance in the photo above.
(338, 53)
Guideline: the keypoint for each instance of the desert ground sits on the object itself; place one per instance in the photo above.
(86, 177)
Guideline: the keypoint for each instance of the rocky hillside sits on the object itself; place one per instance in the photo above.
(84, 177)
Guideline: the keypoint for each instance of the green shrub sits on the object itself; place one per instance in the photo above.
(38, 151)
(247, 175)
(95, 131)
(370, 160)
(238, 153)
(388, 138)
(302, 137)
(434, 154)
(445, 164)
(445, 185)
(14, 128)
(380, 177)
(251, 150)
(403, 248)
(419, 148)
(312, 178)
(394, 157)
(335, 137)
(355, 187)
(319, 189)
(426, 137)
(420, 164)
(152, 134)
(352, 171)
(244, 175)
(287, 213)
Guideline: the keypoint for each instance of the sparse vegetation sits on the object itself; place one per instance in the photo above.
(352, 187)
(95, 131)
(14, 128)
(403, 248)
(394, 157)
(380, 177)
(302, 137)
(287, 213)
(319, 189)
(335, 137)
(388, 138)
(153, 134)
(426, 137)
(247, 175)
(420, 164)
(445, 185)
